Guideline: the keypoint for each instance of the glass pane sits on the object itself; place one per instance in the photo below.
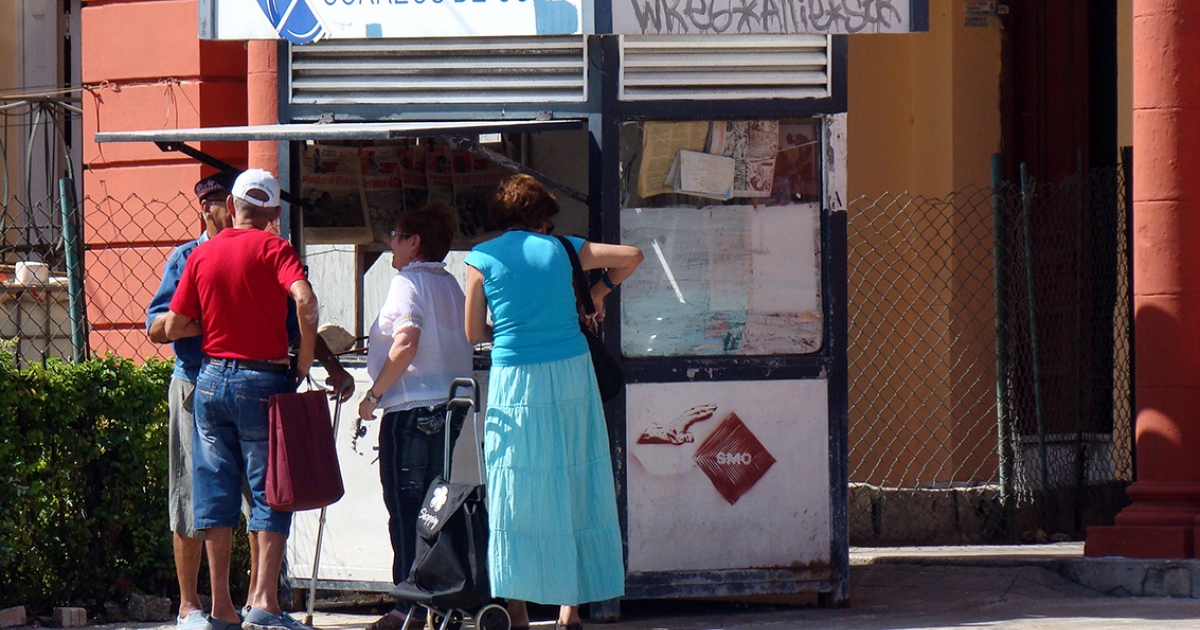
(727, 215)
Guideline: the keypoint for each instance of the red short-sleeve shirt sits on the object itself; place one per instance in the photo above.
(236, 283)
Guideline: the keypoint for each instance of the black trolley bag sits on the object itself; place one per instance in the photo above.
(449, 574)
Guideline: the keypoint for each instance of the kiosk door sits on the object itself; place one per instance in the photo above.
(734, 417)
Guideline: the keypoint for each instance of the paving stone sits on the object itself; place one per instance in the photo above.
(150, 608)
(10, 617)
(1167, 582)
(70, 617)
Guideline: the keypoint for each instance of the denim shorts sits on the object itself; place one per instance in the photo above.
(231, 445)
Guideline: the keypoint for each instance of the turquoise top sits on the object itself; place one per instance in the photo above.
(527, 283)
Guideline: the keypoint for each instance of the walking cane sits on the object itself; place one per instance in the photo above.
(312, 585)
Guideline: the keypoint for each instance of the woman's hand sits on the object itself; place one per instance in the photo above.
(599, 303)
(366, 409)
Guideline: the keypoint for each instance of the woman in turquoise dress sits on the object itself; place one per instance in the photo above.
(552, 508)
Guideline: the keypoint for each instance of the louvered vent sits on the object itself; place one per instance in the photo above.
(669, 67)
(541, 69)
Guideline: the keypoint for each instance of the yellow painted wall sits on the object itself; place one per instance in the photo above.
(924, 109)
(1124, 73)
(10, 48)
(10, 63)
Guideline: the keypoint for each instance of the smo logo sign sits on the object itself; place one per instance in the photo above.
(304, 21)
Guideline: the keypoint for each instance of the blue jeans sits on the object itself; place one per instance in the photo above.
(231, 445)
(410, 458)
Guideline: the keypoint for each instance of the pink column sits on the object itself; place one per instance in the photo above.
(1164, 518)
(262, 99)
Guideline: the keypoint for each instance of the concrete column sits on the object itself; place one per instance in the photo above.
(1163, 520)
(262, 99)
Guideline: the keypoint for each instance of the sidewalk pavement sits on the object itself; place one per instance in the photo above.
(973, 587)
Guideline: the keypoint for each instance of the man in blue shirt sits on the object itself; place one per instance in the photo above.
(213, 193)
(188, 542)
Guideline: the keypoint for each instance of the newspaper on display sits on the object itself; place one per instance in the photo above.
(383, 188)
(355, 194)
(332, 185)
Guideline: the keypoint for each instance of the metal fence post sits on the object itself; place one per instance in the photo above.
(1127, 171)
(1000, 273)
(1033, 340)
(66, 189)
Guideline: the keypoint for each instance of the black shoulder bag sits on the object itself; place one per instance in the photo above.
(608, 371)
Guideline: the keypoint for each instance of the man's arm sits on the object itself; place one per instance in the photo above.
(307, 315)
(339, 378)
(400, 356)
(159, 305)
(176, 326)
(158, 330)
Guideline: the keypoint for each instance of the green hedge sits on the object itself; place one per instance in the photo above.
(83, 482)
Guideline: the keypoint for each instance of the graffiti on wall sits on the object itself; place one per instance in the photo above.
(717, 17)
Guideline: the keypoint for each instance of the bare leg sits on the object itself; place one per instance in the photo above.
(218, 540)
(518, 613)
(568, 615)
(187, 569)
(253, 567)
(265, 595)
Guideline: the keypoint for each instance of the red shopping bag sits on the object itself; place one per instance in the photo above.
(302, 469)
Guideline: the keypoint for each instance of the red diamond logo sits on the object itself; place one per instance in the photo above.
(733, 458)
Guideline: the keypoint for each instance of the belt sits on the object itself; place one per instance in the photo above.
(248, 364)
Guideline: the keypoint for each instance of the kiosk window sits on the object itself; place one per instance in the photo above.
(728, 216)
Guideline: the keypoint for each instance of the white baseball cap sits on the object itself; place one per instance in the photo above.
(260, 180)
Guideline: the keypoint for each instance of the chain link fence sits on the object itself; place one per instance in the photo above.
(128, 243)
(85, 289)
(1030, 282)
(34, 293)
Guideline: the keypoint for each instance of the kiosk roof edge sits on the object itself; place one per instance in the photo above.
(337, 131)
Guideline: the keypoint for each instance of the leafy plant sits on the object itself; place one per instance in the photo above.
(83, 482)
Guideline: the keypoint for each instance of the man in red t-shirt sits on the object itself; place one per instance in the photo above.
(235, 289)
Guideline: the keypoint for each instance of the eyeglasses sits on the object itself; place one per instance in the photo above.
(398, 234)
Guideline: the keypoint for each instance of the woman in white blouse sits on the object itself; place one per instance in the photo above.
(417, 347)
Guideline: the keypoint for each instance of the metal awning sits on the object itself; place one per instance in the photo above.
(455, 131)
(338, 131)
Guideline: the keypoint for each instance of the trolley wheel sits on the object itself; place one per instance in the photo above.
(492, 617)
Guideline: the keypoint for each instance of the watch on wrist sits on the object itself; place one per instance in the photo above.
(371, 397)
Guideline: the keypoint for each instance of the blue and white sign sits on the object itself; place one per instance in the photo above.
(304, 21)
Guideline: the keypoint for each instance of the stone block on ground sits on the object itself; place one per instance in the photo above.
(69, 617)
(861, 509)
(150, 608)
(918, 516)
(980, 514)
(1168, 581)
(12, 617)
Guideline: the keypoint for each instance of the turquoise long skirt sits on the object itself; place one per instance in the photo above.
(552, 505)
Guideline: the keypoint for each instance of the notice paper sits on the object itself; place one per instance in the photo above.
(661, 141)
(701, 174)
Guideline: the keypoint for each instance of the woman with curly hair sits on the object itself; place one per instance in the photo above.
(552, 507)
